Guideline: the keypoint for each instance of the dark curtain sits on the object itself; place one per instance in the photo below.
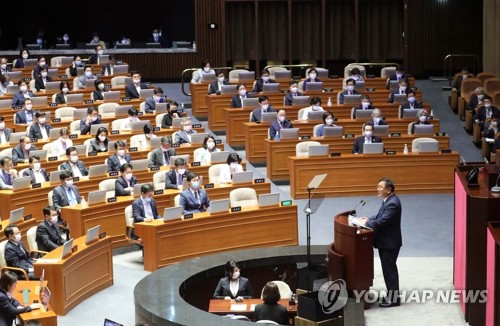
(381, 29)
(273, 31)
(306, 30)
(240, 31)
(340, 30)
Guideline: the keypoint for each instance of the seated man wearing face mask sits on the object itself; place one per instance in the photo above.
(73, 164)
(366, 104)
(88, 74)
(150, 103)
(216, 85)
(278, 124)
(422, 115)
(42, 79)
(36, 172)
(174, 177)
(355, 74)
(184, 136)
(26, 116)
(457, 83)
(264, 79)
(134, 90)
(94, 58)
(350, 85)
(491, 128)
(194, 199)
(376, 119)
(412, 102)
(398, 75)
(476, 99)
(92, 118)
(77, 63)
(4, 131)
(367, 137)
(264, 108)
(124, 185)
(16, 254)
(236, 100)
(315, 106)
(403, 89)
(48, 236)
(41, 129)
(294, 91)
(120, 157)
(23, 95)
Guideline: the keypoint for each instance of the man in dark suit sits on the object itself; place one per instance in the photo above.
(73, 164)
(242, 93)
(294, 91)
(42, 79)
(66, 194)
(264, 108)
(7, 173)
(403, 89)
(377, 119)
(368, 137)
(16, 255)
(491, 128)
(120, 157)
(21, 153)
(24, 93)
(92, 118)
(184, 136)
(387, 238)
(4, 131)
(25, 116)
(264, 79)
(349, 90)
(194, 199)
(107, 69)
(150, 102)
(174, 177)
(48, 237)
(476, 99)
(94, 58)
(366, 104)
(157, 37)
(278, 124)
(398, 76)
(132, 90)
(412, 102)
(124, 185)
(216, 85)
(161, 156)
(3, 66)
(144, 208)
(486, 110)
(457, 83)
(41, 129)
(36, 172)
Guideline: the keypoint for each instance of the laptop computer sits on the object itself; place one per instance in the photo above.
(283, 74)
(99, 170)
(360, 84)
(318, 150)
(15, 76)
(272, 199)
(16, 215)
(314, 86)
(393, 84)
(81, 149)
(31, 62)
(90, 83)
(172, 213)
(137, 188)
(352, 99)
(94, 128)
(249, 102)
(67, 246)
(122, 110)
(138, 125)
(155, 142)
(111, 96)
(54, 133)
(153, 45)
(410, 113)
(15, 137)
(54, 177)
(246, 76)
(39, 101)
(62, 46)
(97, 197)
(271, 88)
(92, 234)
(79, 114)
(21, 183)
(289, 133)
(315, 115)
(74, 98)
(173, 158)
(301, 100)
(120, 69)
(52, 72)
(40, 152)
(364, 114)
(160, 108)
(218, 206)
(103, 59)
(5, 104)
(219, 157)
(198, 138)
(229, 89)
(242, 177)
(52, 86)
(12, 89)
(381, 130)
(207, 77)
(400, 98)
(108, 322)
(334, 132)
(373, 148)
(177, 122)
(140, 165)
(123, 45)
(423, 129)
(146, 93)
(428, 146)
(268, 117)
(44, 297)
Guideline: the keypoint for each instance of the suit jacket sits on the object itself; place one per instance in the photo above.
(481, 112)
(48, 237)
(19, 64)
(190, 204)
(131, 91)
(139, 213)
(18, 98)
(257, 113)
(346, 92)
(7, 132)
(259, 84)
(393, 77)
(60, 99)
(289, 98)
(36, 131)
(30, 173)
(171, 179)
(214, 87)
(84, 128)
(150, 104)
(181, 137)
(473, 102)
(275, 126)
(308, 80)
(412, 130)
(9, 310)
(92, 59)
(490, 133)
(114, 163)
(358, 143)
(416, 105)
(236, 100)
(380, 123)
(95, 147)
(157, 157)
(271, 311)
(17, 257)
(98, 95)
(18, 153)
(60, 198)
(121, 184)
(161, 39)
(83, 170)
(39, 82)
(167, 121)
(21, 117)
(396, 91)
(57, 148)
(386, 224)
(224, 290)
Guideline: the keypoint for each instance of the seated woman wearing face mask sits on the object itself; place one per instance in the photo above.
(422, 117)
(99, 90)
(209, 147)
(227, 170)
(233, 286)
(327, 122)
(315, 106)
(205, 69)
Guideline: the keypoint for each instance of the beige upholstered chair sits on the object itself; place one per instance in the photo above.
(107, 109)
(284, 288)
(315, 129)
(115, 124)
(244, 197)
(32, 85)
(142, 107)
(159, 119)
(318, 69)
(159, 180)
(386, 72)
(118, 81)
(49, 195)
(272, 71)
(6, 153)
(301, 148)
(300, 113)
(214, 172)
(33, 246)
(129, 227)
(65, 113)
(3, 262)
(415, 143)
(74, 127)
(109, 186)
(177, 200)
(234, 77)
(348, 68)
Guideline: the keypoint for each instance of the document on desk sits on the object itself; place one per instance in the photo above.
(356, 222)
(47, 260)
(238, 307)
(252, 307)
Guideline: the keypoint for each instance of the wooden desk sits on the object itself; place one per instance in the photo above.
(256, 133)
(357, 175)
(223, 307)
(278, 151)
(113, 222)
(198, 105)
(174, 241)
(46, 318)
(78, 276)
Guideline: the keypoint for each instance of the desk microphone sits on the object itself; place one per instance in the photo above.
(361, 202)
(463, 160)
(496, 188)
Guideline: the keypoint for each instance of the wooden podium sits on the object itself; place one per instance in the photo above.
(356, 247)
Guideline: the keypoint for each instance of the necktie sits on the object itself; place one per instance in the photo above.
(7, 178)
(71, 195)
(156, 40)
(63, 145)
(197, 197)
(167, 161)
(179, 179)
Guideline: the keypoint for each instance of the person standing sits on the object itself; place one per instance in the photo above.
(386, 225)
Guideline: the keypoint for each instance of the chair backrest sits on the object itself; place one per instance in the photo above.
(234, 75)
(75, 83)
(65, 112)
(32, 84)
(244, 197)
(409, 127)
(135, 141)
(300, 113)
(142, 107)
(301, 149)
(74, 127)
(31, 237)
(118, 81)
(300, 85)
(214, 172)
(115, 124)
(491, 86)
(468, 87)
(159, 180)
(66, 72)
(3, 262)
(272, 71)
(177, 200)
(496, 99)
(54, 97)
(315, 129)
(129, 219)
(197, 151)
(49, 198)
(386, 72)
(240, 317)
(47, 147)
(415, 142)
(265, 321)
(321, 72)
(109, 185)
(107, 109)
(159, 119)
(6, 153)
(483, 76)
(348, 68)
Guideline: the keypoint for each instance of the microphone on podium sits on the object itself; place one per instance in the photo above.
(362, 203)
(496, 188)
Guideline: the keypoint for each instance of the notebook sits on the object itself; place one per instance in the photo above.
(120, 69)
(177, 122)
(161, 108)
(16, 215)
(423, 129)
(400, 98)
(207, 77)
(268, 117)
(81, 149)
(21, 183)
(92, 234)
(269, 199)
(360, 84)
(373, 148)
(96, 171)
(52, 86)
(94, 128)
(218, 206)
(352, 99)
(301, 100)
(39, 101)
(283, 74)
(428, 146)
(219, 157)
(246, 76)
(410, 113)
(314, 86)
(245, 102)
(242, 177)
(122, 110)
(271, 88)
(67, 246)
(5, 104)
(138, 125)
(198, 138)
(54, 133)
(381, 130)
(111, 96)
(172, 213)
(289, 133)
(315, 116)
(40, 152)
(146, 93)
(228, 89)
(318, 150)
(79, 114)
(97, 197)
(54, 177)
(364, 114)
(333, 131)
(15, 137)
(140, 165)
(74, 98)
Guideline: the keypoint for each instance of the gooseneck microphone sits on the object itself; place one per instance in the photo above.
(361, 202)
(496, 188)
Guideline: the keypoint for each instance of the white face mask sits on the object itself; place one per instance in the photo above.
(137, 80)
(480, 96)
(69, 183)
(313, 76)
(27, 147)
(65, 38)
(236, 275)
(120, 152)
(23, 88)
(422, 118)
(93, 118)
(128, 177)
(37, 166)
(377, 119)
(3, 66)
(53, 220)
(316, 107)
(73, 158)
(350, 88)
(221, 79)
(264, 106)
(29, 107)
(281, 118)
(155, 35)
(365, 105)
(403, 88)
(25, 55)
(102, 138)
(294, 89)
(41, 120)
(355, 77)
(17, 237)
(42, 63)
(233, 165)
(206, 69)
(368, 133)
(88, 74)
(266, 78)
(100, 86)
(329, 122)
(187, 128)
(100, 52)
(78, 62)
(65, 90)
(243, 92)
(465, 76)
(210, 145)
(181, 171)
(487, 105)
